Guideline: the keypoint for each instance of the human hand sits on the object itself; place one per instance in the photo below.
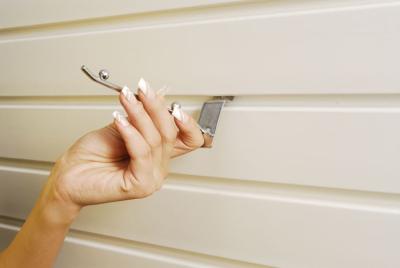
(127, 159)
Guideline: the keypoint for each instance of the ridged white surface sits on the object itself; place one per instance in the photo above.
(346, 49)
(305, 168)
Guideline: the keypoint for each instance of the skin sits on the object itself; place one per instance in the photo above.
(124, 160)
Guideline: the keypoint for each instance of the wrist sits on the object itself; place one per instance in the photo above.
(56, 212)
(54, 209)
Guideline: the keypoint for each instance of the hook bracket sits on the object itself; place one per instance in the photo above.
(209, 117)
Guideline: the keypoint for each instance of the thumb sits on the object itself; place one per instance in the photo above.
(189, 134)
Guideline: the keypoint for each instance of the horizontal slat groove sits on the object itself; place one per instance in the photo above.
(127, 13)
(138, 249)
(235, 10)
(25, 164)
(242, 108)
(87, 100)
(113, 23)
(306, 100)
(378, 202)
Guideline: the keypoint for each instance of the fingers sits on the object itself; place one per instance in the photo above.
(139, 179)
(150, 117)
(136, 146)
(150, 137)
(141, 120)
(154, 105)
(189, 134)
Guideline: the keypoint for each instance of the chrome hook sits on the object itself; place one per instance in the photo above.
(101, 78)
(104, 75)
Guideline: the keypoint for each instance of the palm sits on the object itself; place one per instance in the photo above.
(102, 146)
(100, 157)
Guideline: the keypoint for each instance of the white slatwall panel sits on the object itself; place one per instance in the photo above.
(83, 251)
(80, 253)
(305, 168)
(223, 219)
(346, 50)
(47, 11)
(354, 148)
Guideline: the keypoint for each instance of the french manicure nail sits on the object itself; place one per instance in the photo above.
(128, 94)
(145, 88)
(120, 118)
(179, 114)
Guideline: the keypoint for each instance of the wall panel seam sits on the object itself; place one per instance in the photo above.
(134, 248)
(204, 21)
(308, 196)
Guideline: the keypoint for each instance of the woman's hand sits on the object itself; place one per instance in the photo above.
(124, 160)
(127, 159)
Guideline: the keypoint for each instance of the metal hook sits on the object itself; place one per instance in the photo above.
(104, 75)
(101, 79)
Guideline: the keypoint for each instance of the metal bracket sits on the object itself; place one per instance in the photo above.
(209, 117)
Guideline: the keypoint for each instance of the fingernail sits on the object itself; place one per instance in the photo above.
(179, 114)
(163, 91)
(128, 94)
(145, 88)
(120, 118)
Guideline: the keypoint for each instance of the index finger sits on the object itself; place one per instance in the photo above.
(162, 119)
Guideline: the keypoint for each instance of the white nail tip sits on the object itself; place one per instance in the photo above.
(120, 118)
(143, 85)
(178, 114)
(128, 94)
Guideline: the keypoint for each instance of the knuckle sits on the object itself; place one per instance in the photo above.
(170, 136)
(149, 186)
(136, 110)
(145, 152)
(147, 189)
(199, 142)
(139, 106)
(155, 141)
(146, 192)
(169, 139)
